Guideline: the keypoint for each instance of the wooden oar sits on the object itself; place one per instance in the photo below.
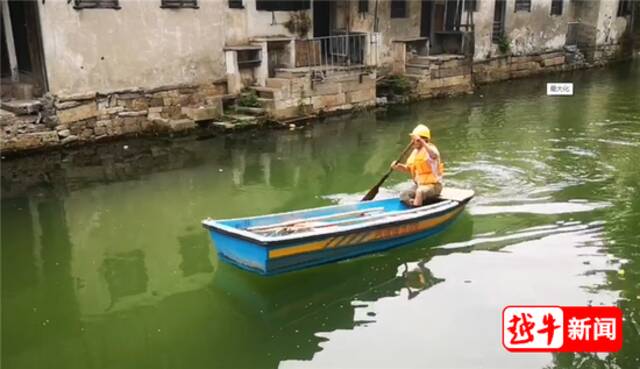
(374, 191)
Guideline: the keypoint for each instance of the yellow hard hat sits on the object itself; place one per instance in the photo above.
(422, 131)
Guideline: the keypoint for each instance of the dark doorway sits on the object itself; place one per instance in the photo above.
(22, 73)
(321, 18)
(498, 21)
(425, 18)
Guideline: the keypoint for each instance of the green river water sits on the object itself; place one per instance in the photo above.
(105, 264)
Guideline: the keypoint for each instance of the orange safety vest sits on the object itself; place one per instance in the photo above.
(425, 170)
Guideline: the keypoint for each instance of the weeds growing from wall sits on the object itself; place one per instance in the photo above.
(504, 45)
(249, 99)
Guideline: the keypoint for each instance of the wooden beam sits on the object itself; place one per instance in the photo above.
(11, 46)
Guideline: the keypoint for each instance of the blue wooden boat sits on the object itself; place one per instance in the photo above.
(277, 243)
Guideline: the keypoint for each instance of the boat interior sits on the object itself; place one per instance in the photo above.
(339, 217)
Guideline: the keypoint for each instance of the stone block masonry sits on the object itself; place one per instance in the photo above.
(440, 77)
(297, 93)
(95, 116)
(512, 67)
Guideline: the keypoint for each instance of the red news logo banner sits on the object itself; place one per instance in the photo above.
(562, 328)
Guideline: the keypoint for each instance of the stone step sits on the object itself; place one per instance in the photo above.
(419, 61)
(278, 82)
(290, 73)
(266, 92)
(250, 110)
(418, 66)
(267, 104)
(416, 71)
(242, 120)
(22, 107)
(414, 76)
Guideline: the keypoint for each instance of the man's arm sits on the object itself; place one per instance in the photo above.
(431, 149)
(400, 167)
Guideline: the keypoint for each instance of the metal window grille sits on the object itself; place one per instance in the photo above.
(624, 8)
(471, 5)
(96, 4)
(398, 8)
(236, 4)
(282, 5)
(556, 7)
(522, 5)
(176, 4)
(363, 6)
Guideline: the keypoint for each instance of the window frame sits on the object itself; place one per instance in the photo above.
(558, 6)
(471, 5)
(624, 8)
(96, 4)
(179, 4)
(404, 9)
(522, 6)
(277, 6)
(363, 6)
(235, 4)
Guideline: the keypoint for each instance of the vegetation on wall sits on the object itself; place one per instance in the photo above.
(249, 99)
(399, 85)
(504, 45)
(299, 23)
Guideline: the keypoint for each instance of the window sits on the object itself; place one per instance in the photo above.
(363, 6)
(624, 8)
(96, 4)
(471, 5)
(398, 8)
(236, 4)
(522, 5)
(176, 4)
(556, 7)
(282, 5)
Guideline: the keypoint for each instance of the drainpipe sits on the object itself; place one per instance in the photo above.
(375, 31)
(11, 46)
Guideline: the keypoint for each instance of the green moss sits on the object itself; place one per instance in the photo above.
(249, 99)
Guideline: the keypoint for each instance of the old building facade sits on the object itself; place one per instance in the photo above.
(84, 70)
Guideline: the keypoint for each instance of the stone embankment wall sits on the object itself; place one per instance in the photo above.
(569, 58)
(440, 76)
(295, 94)
(59, 120)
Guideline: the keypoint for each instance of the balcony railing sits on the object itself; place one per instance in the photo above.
(331, 52)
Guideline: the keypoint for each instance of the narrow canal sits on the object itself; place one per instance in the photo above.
(105, 264)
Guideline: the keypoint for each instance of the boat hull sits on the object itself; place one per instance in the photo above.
(280, 257)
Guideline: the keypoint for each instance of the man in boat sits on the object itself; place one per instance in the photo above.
(425, 168)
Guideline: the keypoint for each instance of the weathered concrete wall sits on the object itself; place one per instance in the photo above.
(539, 32)
(140, 45)
(536, 31)
(483, 22)
(389, 28)
(609, 26)
(244, 24)
(528, 32)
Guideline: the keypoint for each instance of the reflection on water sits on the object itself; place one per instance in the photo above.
(105, 265)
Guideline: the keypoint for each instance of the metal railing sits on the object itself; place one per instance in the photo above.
(497, 31)
(325, 53)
